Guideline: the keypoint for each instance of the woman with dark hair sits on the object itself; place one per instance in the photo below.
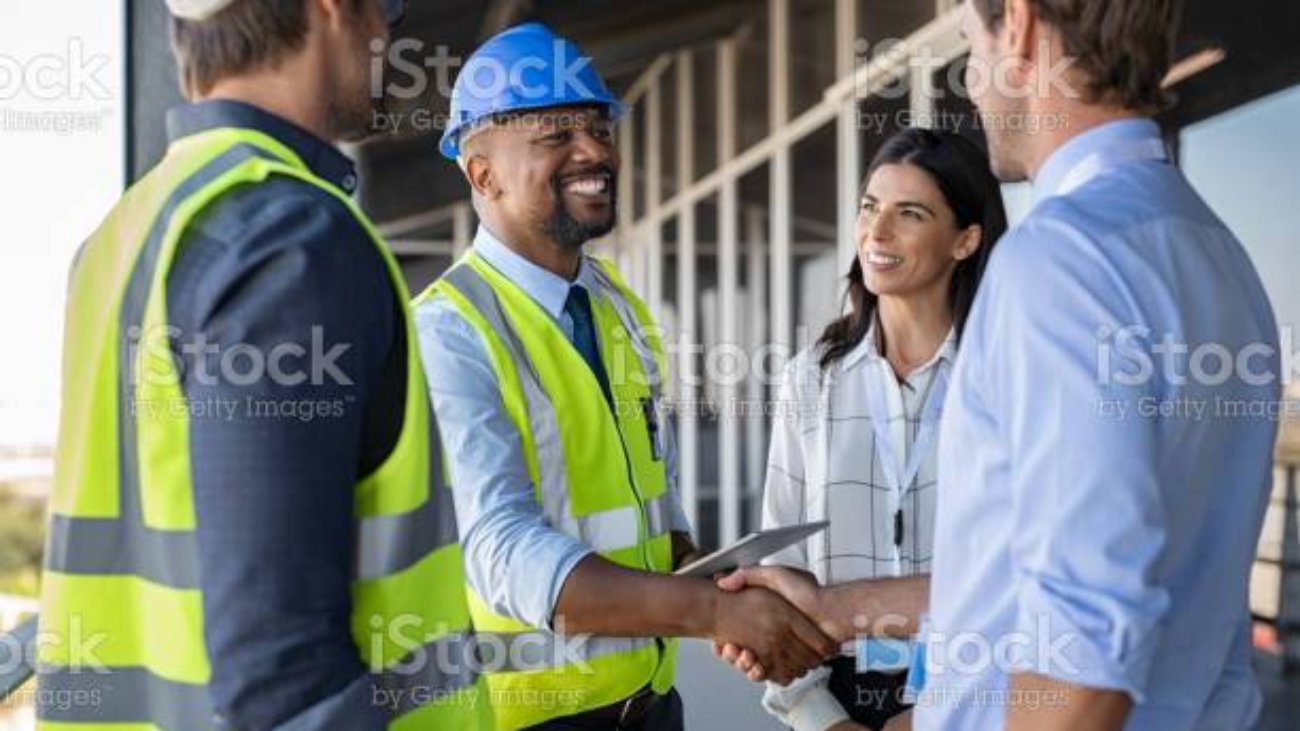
(855, 437)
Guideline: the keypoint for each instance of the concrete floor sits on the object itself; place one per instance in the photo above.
(717, 697)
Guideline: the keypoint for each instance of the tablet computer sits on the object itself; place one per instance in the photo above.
(751, 549)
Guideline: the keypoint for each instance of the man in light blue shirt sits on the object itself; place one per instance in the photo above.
(1106, 454)
(546, 540)
(514, 559)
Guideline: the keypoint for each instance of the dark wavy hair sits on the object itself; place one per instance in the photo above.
(961, 172)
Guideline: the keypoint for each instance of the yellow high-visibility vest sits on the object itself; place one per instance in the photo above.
(122, 567)
(597, 471)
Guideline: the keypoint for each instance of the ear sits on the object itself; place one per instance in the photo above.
(1019, 29)
(478, 171)
(969, 242)
(331, 12)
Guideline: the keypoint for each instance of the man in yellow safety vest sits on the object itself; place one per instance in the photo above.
(249, 526)
(545, 371)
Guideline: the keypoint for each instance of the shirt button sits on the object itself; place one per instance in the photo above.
(349, 182)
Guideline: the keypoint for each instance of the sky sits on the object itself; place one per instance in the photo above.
(61, 59)
(65, 59)
(1246, 163)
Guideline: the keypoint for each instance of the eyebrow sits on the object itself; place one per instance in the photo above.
(902, 204)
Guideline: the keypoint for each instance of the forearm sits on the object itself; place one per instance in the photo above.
(603, 598)
(1040, 703)
(874, 608)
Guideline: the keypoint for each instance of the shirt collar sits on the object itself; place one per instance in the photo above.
(868, 350)
(1110, 136)
(322, 158)
(549, 290)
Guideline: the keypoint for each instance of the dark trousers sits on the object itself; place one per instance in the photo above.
(666, 715)
(871, 699)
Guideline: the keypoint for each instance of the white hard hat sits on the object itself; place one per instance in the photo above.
(196, 9)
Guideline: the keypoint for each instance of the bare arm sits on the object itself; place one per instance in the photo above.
(865, 608)
(1055, 705)
(874, 607)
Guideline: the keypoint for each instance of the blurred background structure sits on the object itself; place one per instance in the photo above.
(751, 122)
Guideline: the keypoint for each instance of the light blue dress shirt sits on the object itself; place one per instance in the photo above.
(514, 559)
(1082, 532)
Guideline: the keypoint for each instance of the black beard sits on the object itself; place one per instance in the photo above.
(569, 232)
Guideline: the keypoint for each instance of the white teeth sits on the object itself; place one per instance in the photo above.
(588, 185)
(883, 259)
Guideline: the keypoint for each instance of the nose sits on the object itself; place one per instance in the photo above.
(589, 149)
(878, 227)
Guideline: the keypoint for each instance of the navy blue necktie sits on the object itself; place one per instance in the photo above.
(578, 307)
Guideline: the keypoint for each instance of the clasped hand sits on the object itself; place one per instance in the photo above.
(790, 610)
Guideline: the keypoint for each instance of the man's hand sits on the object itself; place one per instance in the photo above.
(869, 607)
(778, 637)
(800, 588)
(797, 587)
(848, 726)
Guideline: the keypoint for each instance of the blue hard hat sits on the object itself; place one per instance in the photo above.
(520, 68)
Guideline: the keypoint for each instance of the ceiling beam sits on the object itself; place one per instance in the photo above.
(502, 14)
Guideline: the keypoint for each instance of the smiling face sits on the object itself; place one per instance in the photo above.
(551, 173)
(908, 238)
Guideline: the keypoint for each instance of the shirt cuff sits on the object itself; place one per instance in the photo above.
(816, 710)
(1089, 642)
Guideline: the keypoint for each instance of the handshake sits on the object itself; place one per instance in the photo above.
(771, 623)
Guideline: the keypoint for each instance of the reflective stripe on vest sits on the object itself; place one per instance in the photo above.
(122, 556)
(121, 692)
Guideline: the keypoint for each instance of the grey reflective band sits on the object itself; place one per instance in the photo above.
(116, 546)
(121, 695)
(387, 544)
(658, 515)
(519, 652)
(545, 425)
(134, 695)
(619, 528)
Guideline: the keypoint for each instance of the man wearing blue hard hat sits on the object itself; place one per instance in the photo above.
(545, 371)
